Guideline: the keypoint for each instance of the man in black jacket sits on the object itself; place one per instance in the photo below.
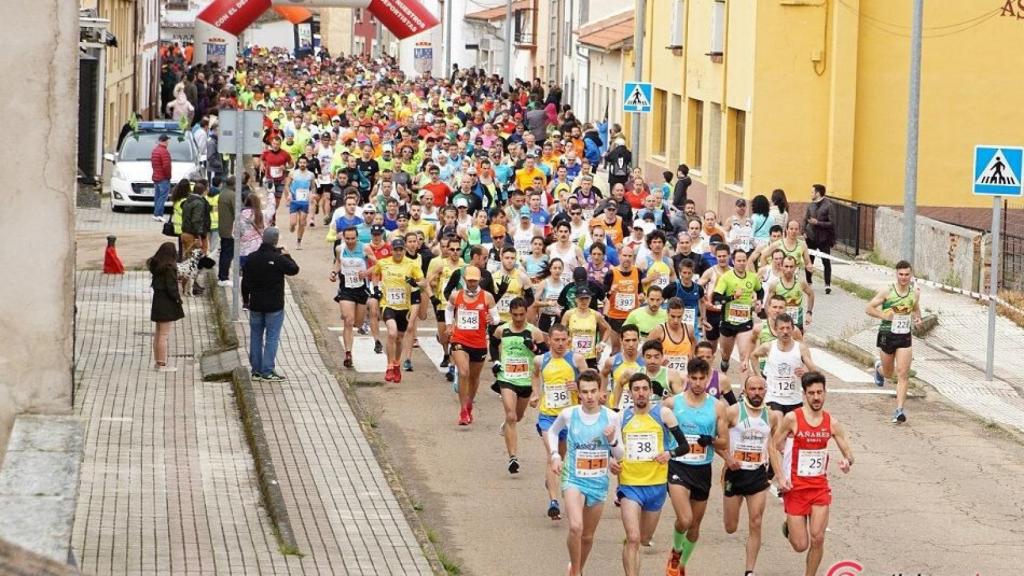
(263, 294)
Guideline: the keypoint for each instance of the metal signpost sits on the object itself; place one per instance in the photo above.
(997, 173)
(240, 135)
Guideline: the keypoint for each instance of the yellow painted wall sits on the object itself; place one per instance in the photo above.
(970, 82)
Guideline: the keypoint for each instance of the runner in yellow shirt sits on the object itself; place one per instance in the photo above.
(399, 277)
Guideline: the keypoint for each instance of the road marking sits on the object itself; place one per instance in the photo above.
(336, 328)
(433, 350)
(839, 368)
(879, 391)
(115, 419)
(364, 358)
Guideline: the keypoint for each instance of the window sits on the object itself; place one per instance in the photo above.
(675, 34)
(737, 148)
(584, 11)
(660, 119)
(677, 125)
(718, 27)
(695, 135)
(358, 15)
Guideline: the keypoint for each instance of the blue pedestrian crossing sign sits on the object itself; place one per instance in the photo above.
(997, 170)
(638, 96)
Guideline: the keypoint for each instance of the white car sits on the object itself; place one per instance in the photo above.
(131, 184)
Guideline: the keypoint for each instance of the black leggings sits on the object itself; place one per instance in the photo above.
(825, 262)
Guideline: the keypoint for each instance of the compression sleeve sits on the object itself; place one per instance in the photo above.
(683, 446)
(730, 397)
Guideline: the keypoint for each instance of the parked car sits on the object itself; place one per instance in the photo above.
(131, 184)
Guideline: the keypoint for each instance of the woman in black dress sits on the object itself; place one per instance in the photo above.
(166, 301)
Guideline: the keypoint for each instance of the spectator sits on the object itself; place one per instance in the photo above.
(166, 307)
(779, 210)
(263, 294)
(819, 229)
(160, 160)
(619, 160)
(226, 228)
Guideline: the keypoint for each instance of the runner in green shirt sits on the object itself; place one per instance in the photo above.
(647, 318)
(518, 346)
(740, 293)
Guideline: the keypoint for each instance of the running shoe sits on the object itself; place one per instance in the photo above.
(407, 365)
(513, 465)
(463, 417)
(388, 373)
(450, 376)
(673, 568)
(444, 361)
(298, 244)
(396, 376)
(554, 512)
(723, 366)
(879, 379)
(496, 368)
(166, 368)
(828, 289)
(469, 411)
(348, 360)
(363, 330)
(273, 376)
(415, 342)
(377, 347)
(899, 417)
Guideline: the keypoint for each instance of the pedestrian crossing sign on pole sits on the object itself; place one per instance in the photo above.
(638, 97)
(997, 170)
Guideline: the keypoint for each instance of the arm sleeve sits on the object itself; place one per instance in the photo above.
(556, 428)
(453, 283)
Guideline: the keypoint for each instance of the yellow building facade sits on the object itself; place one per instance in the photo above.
(755, 95)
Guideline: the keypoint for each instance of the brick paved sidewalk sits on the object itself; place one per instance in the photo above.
(951, 358)
(167, 484)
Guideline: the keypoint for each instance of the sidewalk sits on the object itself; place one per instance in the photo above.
(951, 358)
(168, 483)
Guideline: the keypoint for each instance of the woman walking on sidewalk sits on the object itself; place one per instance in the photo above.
(166, 301)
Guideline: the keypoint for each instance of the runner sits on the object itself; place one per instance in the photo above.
(649, 317)
(675, 336)
(644, 472)
(376, 250)
(708, 281)
(275, 163)
(518, 348)
(299, 185)
(398, 277)
(797, 292)
(785, 361)
(899, 309)
(657, 266)
(467, 315)
(719, 385)
(739, 292)
(588, 331)
(807, 495)
(751, 427)
(570, 254)
(351, 267)
(512, 283)
(698, 420)
(553, 378)
(438, 274)
(623, 286)
(418, 309)
(692, 294)
(593, 438)
(616, 366)
(547, 289)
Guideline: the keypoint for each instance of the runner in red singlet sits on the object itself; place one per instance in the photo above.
(806, 493)
(467, 316)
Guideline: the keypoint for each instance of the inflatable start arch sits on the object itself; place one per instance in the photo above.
(219, 24)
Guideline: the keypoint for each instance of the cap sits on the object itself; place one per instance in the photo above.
(461, 203)
(741, 202)
(583, 292)
(164, 138)
(377, 230)
(471, 170)
(370, 207)
(471, 273)
(497, 230)
(638, 225)
(611, 204)
(524, 212)
(579, 274)
(398, 243)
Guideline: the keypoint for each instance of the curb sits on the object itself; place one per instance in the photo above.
(863, 357)
(374, 439)
(252, 425)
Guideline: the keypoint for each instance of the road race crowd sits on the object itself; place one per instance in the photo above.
(614, 311)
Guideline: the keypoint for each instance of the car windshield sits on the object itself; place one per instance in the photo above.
(139, 147)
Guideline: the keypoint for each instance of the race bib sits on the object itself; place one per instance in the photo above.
(901, 324)
(811, 463)
(467, 320)
(677, 363)
(324, 179)
(523, 247)
(583, 343)
(395, 295)
(625, 302)
(661, 281)
(556, 395)
(516, 367)
(301, 194)
(697, 453)
(749, 452)
(626, 400)
(588, 214)
(794, 312)
(591, 463)
(738, 313)
(276, 172)
(503, 304)
(351, 276)
(689, 316)
(567, 275)
(785, 384)
(641, 446)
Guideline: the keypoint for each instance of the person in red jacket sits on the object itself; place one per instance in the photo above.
(160, 160)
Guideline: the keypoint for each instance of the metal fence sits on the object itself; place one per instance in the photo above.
(1012, 268)
(855, 226)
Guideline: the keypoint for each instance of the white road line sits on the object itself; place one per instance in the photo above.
(839, 368)
(879, 391)
(432, 349)
(336, 328)
(364, 358)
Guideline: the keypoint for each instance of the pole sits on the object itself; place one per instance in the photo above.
(993, 285)
(509, 45)
(638, 71)
(236, 287)
(913, 114)
(448, 37)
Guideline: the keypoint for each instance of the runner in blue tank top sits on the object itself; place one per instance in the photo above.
(593, 439)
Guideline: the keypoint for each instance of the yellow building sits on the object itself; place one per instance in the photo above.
(755, 95)
(120, 70)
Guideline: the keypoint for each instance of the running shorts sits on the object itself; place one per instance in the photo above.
(799, 502)
(746, 482)
(697, 479)
(521, 391)
(650, 498)
(784, 408)
(591, 497)
(730, 330)
(888, 342)
(295, 206)
(357, 295)
(544, 421)
(475, 354)
(401, 318)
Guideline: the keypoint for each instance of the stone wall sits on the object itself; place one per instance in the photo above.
(944, 252)
(39, 65)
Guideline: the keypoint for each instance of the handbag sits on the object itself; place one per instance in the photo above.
(168, 229)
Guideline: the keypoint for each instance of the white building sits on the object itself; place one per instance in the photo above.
(605, 41)
(489, 50)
